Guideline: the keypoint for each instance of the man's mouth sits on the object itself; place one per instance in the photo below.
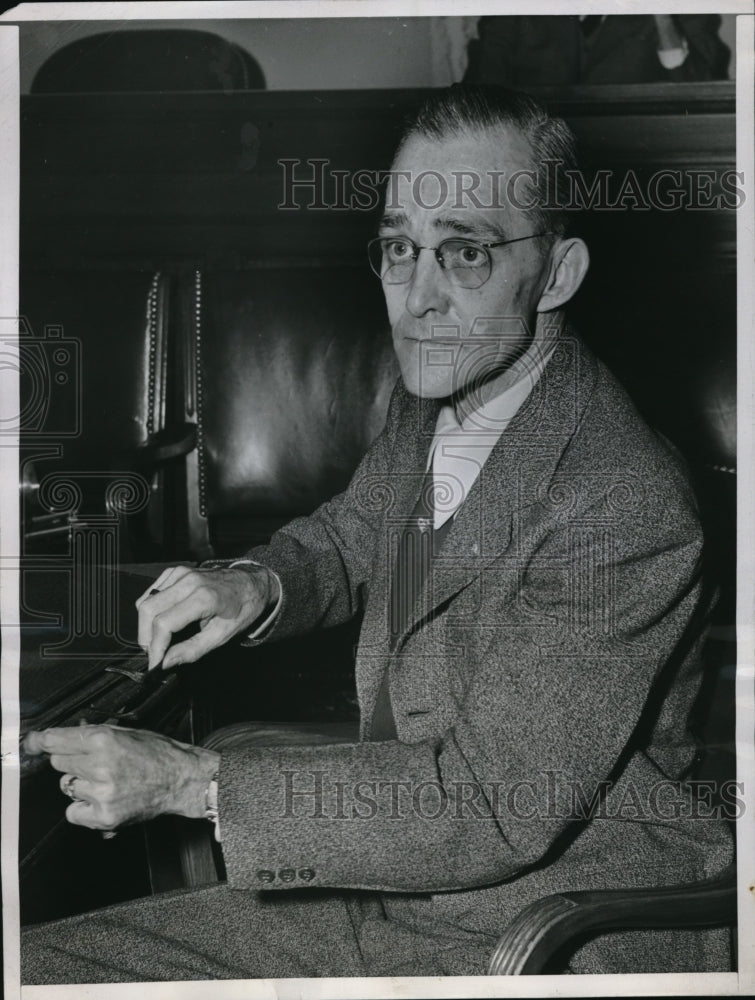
(431, 339)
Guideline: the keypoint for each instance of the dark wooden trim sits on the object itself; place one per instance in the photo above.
(709, 97)
(546, 926)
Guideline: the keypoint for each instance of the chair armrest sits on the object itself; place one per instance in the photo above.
(544, 926)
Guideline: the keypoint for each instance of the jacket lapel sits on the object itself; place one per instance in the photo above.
(516, 476)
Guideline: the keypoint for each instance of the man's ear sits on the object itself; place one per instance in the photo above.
(570, 260)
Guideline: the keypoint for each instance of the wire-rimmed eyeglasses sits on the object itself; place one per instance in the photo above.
(466, 263)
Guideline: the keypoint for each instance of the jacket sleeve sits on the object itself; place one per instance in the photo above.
(551, 707)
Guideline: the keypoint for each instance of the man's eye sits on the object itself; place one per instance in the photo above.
(396, 250)
(470, 255)
(457, 253)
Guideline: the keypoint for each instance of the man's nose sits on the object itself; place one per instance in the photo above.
(428, 287)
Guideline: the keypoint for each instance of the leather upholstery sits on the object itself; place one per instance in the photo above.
(297, 370)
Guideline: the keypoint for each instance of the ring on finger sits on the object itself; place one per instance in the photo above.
(66, 786)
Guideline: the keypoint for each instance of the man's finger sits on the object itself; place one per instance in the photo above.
(168, 576)
(163, 600)
(57, 741)
(86, 814)
(76, 763)
(33, 744)
(190, 650)
(154, 586)
(160, 595)
(198, 605)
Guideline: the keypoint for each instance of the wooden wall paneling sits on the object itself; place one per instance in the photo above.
(195, 179)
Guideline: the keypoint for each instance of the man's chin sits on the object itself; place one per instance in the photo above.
(425, 388)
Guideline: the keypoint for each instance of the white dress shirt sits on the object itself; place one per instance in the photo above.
(460, 448)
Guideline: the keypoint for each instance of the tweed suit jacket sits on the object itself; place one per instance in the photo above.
(552, 660)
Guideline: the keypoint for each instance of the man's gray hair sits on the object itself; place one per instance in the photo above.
(466, 107)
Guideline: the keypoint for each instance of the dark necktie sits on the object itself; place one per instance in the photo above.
(418, 542)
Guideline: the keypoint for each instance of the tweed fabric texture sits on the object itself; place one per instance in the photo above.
(209, 933)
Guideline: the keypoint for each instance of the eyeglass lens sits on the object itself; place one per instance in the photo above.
(466, 264)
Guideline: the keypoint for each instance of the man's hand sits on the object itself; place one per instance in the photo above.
(117, 776)
(225, 602)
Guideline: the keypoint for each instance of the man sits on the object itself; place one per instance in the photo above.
(527, 556)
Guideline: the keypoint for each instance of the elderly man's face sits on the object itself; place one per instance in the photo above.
(447, 337)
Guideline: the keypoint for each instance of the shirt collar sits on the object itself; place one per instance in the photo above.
(492, 416)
